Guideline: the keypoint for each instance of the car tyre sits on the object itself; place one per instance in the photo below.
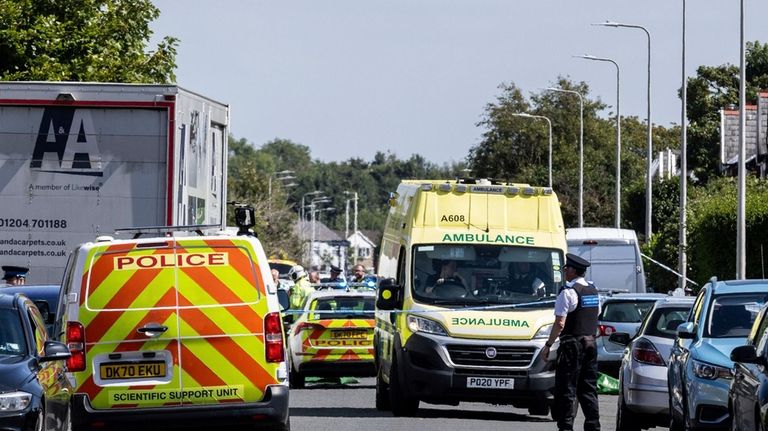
(382, 393)
(279, 426)
(402, 405)
(626, 420)
(539, 410)
(296, 379)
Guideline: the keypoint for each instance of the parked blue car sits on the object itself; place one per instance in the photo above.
(700, 367)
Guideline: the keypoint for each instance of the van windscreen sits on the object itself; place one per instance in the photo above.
(462, 274)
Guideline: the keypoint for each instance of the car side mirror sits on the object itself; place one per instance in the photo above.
(620, 338)
(387, 294)
(686, 331)
(55, 351)
(747, 355)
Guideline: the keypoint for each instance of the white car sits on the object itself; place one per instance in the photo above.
(643, 393)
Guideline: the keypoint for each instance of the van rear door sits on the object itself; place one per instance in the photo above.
(128, 311)
(222, 307)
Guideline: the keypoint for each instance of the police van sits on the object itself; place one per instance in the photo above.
(470, 271)
(174, 329)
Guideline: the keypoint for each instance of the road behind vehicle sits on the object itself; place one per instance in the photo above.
(746, 401)
(700, 368)
(175, 330)
(83, 159)
(333, 337)
(454, 322)
(34, 390)
(643, 400)
(623, 312)
(614, 254)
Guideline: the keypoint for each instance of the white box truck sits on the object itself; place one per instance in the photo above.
(79, 160)
(617, 264)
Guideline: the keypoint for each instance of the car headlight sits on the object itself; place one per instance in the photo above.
(711, 372)
(420, 324)
(14, 401)
(543, 332)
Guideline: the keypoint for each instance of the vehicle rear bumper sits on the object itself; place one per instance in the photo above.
(648, 399)
(338, 369)
(272, 409)
(430, 378)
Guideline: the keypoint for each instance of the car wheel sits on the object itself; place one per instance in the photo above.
(382, 393)
(539, 410)
(759, 423)
(401, 404)
(625, 419)
(296, 379)
(40, 422)
(675, 424)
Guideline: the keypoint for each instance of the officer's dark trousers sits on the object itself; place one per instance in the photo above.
(576, 379)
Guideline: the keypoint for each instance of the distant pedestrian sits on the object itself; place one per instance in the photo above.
(576, 310)
(314, 277)
(358, 273)
(15, 275)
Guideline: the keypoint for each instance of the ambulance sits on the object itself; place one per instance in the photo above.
(470, 271)
(174, 329)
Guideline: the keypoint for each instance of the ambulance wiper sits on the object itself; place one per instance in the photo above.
(458, 301)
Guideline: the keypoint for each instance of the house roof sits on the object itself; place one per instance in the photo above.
(322, 232)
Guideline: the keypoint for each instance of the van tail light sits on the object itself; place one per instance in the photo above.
(76, 344)
(273, 337)
(645, 352)
(605, 330)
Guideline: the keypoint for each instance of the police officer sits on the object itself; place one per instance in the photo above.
(301, 288)
(15, 275)
(576, 310)
(336, 276)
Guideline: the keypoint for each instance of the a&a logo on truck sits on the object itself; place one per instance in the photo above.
(70, 135)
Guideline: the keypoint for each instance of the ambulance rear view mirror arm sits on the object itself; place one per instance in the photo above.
(389, 294)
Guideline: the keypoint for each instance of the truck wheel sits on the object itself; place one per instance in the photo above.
(401, 404)
(296, 379)
(382, 393)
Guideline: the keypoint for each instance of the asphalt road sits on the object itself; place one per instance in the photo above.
(342, 407)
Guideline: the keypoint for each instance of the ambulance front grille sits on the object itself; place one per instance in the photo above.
(506, 356)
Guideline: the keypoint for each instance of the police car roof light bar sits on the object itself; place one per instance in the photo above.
(168, 230)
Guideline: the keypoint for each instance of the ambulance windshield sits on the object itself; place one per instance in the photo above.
(466, 274)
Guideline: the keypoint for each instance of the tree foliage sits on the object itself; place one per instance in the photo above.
(83, 40)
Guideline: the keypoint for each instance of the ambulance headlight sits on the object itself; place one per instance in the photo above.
(14, 401)
(420, 324)
(543, 332)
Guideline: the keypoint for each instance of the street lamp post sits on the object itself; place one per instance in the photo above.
(581, 150)
(649, 140)
(354, 225)
(281, 176)
(683, 234)
(618, 133)
(741, 264)
(313, 210)
(549, 123)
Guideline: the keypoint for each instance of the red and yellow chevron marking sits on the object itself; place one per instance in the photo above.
(210, 295)
(337, 340)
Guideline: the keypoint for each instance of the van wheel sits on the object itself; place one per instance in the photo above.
(279, 426)
(382, 393)
(539, 410)
(401, 404)
(296, 379)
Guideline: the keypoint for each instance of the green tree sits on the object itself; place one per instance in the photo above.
(83, 40)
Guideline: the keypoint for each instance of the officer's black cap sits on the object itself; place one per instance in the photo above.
(14, 272)
(576, 262)
(335, 268)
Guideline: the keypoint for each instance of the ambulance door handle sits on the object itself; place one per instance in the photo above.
(152, 329)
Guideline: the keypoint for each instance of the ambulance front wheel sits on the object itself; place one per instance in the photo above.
(382, 393)
(401, 403)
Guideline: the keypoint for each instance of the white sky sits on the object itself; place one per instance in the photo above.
(350, 77)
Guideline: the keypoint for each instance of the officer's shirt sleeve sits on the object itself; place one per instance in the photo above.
(566, 302)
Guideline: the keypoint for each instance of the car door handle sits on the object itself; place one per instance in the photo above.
(152, 329)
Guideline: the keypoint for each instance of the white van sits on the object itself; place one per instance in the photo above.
(615, 256)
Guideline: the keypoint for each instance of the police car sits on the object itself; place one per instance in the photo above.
(332, 336)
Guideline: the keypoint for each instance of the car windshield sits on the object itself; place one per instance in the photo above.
(342, 307)
(625, 311)
(732, 315)
(663, 322)
(464, 274)
(12, 341)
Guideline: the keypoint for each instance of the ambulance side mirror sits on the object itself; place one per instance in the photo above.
(388, 293)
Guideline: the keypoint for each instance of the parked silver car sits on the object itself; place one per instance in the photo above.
(621, 312)
(643, 393)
